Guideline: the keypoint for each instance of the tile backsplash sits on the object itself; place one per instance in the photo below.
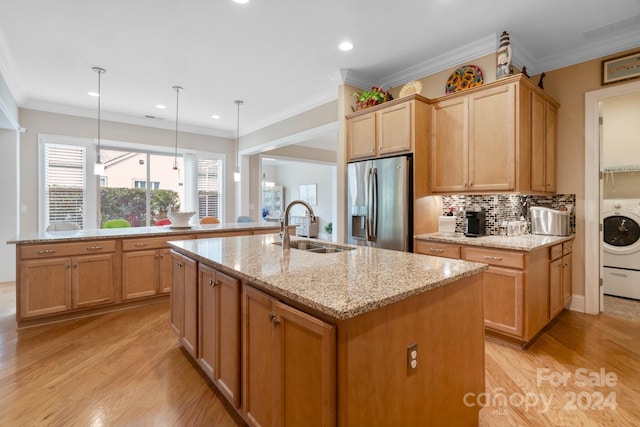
(505, 207)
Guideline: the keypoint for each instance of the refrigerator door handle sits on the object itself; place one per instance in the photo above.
(374, 228)
(369, 203)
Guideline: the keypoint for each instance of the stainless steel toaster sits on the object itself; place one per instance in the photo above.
(549, 222)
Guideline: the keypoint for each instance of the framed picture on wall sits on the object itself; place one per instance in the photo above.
(308, 193)
(621, 68)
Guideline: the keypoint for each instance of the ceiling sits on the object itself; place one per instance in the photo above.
(279, 57)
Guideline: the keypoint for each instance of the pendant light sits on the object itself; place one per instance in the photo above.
(178, 89)
(98, 167)
(236, 171)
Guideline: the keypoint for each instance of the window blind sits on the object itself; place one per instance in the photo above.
(209, 187)
(65, 183)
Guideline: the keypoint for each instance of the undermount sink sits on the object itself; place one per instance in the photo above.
(317, 248)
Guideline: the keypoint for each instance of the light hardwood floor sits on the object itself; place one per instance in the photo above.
(127, 369)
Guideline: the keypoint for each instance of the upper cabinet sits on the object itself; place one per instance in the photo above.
(544, 137)
(390, 128)
(496, 138)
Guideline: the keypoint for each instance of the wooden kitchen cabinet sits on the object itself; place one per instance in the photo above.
(544, 142)
(219, 330)
(289, 364)
(560, 277)
(390, 128)
(146, 266)
(473, 142)
(57, 278)
(501, 137)
(184, 302)
(516, 286)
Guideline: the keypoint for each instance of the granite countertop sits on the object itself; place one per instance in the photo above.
(341, 284)
(528, 242)
(107, 233)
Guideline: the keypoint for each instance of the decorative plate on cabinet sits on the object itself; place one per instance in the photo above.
(411, 88)
(464, 78)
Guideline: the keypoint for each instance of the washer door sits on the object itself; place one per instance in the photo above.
(621, 233)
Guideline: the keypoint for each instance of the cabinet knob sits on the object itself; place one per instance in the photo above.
(68, 266)
(75, 265)
(470, 183)
(274, 319)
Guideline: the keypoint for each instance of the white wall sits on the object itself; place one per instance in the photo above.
(621, 131)
(292, 174)
(9, 170)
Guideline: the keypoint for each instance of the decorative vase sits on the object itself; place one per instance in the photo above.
(504, 68)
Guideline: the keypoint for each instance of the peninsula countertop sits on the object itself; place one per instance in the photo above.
(341, 284)
(527, 242)
(165, 230)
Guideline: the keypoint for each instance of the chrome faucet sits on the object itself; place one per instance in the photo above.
(284, 221)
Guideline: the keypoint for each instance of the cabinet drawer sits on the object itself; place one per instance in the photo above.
(555, 252)
(52, 250)
(437, 249)
(151, 242)
(567, 247)
(495, 257)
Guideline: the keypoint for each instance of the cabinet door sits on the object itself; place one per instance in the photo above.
(139, 274)
(567, 278)
(361, 136)
(544, 117)
(207, 319)
(164, 258)
(551, 147)
(177, 294)
(257, 357)
(394, 129)
(45, 287)
(538, 170)
(190, 335)
(503, 300)
(555, 288)
(305, 371)
(492, 142)
(227, 372)
(92, 280)
(449, 143)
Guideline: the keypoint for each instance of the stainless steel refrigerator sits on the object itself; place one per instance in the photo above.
(380, 203)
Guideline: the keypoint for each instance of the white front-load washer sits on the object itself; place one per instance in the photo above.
(621, 247)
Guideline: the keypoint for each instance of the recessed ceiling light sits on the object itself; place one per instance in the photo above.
(96, 94)
(160, 107)
(215, 116)
(241, 1)
(345, 46)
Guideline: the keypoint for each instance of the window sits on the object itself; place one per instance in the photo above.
(65, 197)
(143, 184)
(139, 183)
(209, 187)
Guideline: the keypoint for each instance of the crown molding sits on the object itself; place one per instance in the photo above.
(452, 58)
(592, 50)
(123, 118)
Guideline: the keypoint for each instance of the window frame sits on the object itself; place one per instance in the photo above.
(190, 178)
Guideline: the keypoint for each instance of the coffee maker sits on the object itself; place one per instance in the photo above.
(474, 223)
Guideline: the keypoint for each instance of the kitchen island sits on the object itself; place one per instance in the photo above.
(360, 336)
(64, 274)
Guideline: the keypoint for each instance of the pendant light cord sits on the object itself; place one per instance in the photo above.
(238, 103)
(175, 155)
(99, 71)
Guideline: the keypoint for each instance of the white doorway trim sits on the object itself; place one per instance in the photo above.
(593, 202)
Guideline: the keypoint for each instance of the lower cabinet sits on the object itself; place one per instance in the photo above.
(288, 364)
(184, 302)
(219, 326)
(522, 290)
(560, 277)
(146, 266)
(57, 284)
